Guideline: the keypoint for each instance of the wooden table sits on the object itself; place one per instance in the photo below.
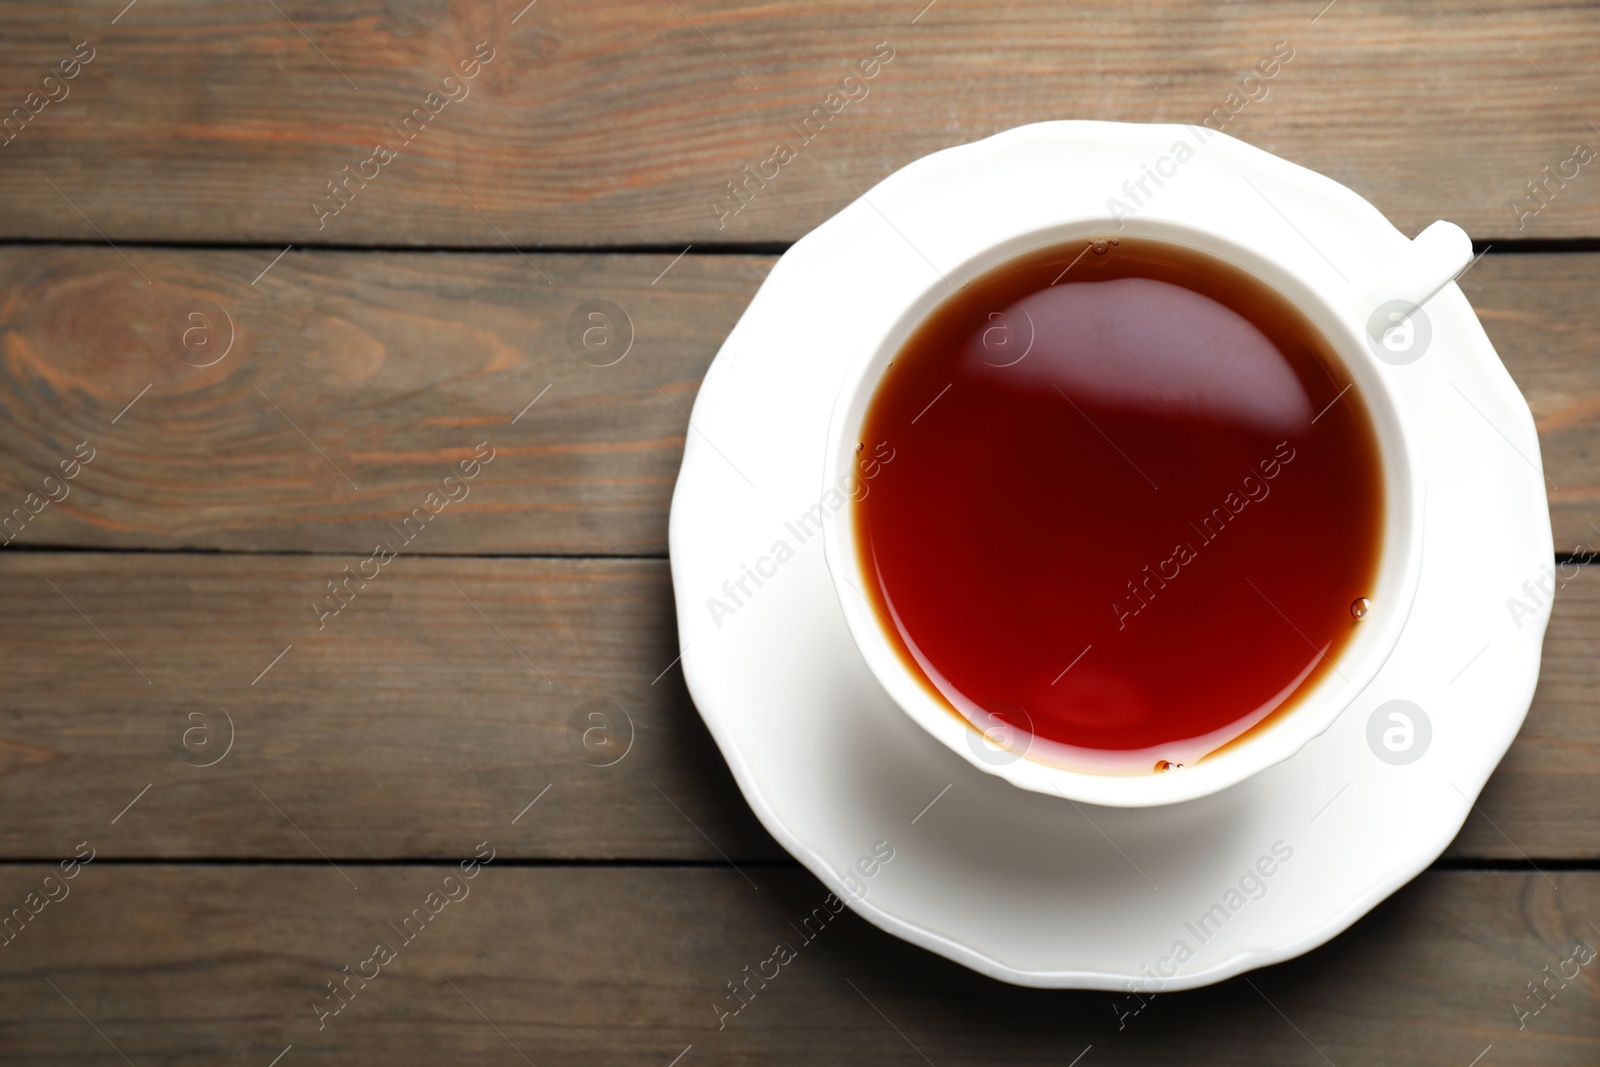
(268, 789)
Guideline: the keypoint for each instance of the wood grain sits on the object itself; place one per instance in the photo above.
(180, 965)
(446, 695)
(356, 383)
(1542, 783)
(623, 123)
(1541, 313)
(390, 367)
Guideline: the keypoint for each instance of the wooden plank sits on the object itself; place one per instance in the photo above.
(355, 384)
(396, 365)
(184, 964)
(1539, 802)
(410, 715)
(1541, 313)
(445, 693)
(623, 123)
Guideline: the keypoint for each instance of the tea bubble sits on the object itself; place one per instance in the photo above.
(1360, 606)
(1165, 765)
(1100, 246)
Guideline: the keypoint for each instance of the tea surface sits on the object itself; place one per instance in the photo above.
(1133, 503)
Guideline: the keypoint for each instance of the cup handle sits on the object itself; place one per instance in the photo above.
(1431, 262)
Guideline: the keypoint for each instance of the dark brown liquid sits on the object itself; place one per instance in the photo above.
(1129, 511)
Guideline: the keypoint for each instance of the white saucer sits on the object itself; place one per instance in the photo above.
(1029, 888)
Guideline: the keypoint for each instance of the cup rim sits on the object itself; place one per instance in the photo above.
(1260, 747)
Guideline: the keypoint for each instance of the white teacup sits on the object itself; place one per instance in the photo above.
(1355, 319)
